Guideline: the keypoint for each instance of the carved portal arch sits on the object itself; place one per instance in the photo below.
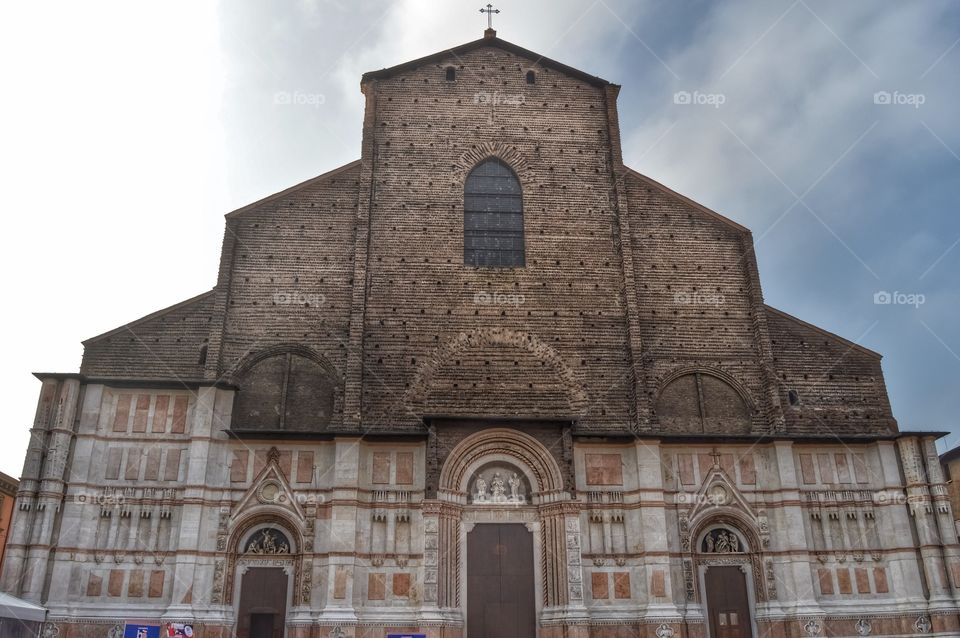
(244, 536)
(730, 521)
(548, 514)
(508, 446)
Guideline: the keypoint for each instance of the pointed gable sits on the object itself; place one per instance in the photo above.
(459, 51)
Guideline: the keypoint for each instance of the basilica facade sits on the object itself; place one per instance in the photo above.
(484, 381)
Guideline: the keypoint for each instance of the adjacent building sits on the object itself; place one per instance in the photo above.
(8, 494)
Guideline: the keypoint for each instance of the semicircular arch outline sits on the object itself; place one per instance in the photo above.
(420, 385)
(717, 373)
(509, 155)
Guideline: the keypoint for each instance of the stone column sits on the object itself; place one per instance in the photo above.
(943, 513)
(793, 578)
(562, 565)
(80, 509)
(653, 532)
(430, 575)
(194, 577)
(576, 610)
(52, 489)
(448, 563)
(15, 560)
(924, 521)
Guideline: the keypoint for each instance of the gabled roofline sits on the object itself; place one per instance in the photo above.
(152, 315)
(826, 333)
(950, 455)
(482, 42)
(293, 189)
(703, 209)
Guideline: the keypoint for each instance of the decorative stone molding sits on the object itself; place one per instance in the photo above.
(813, 628)
(664, 631)
(923, 624)
(546, 475)
(306, 585)
(863, 627)
(574, 564)
(688, 580)
(218, 582)
(270, 490)
(771, 580)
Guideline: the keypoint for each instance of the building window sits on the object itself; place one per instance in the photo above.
(451, 74)
(531, 77)
(493, 216)
(793, 397)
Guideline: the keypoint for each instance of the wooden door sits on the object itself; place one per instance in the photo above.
(727, 603)
(500, 595)
(263, 603)
(261, 625)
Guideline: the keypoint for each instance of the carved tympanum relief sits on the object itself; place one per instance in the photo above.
(499, 484)
(721, 541)
(267, 541)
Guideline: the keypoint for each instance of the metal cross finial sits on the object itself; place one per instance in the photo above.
(489, 11)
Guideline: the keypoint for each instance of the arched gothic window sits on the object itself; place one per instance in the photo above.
(493, 216)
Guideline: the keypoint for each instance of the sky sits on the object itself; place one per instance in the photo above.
(129, 129)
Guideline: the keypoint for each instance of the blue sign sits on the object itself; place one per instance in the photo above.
(141, 631)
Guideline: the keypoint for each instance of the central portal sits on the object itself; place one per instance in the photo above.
(500, 587)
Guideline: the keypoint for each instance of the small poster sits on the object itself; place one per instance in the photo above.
(136, 630)
(179, 630)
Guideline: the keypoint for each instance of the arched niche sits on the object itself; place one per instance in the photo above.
(285, 389)
(703, 401)
(504, 448)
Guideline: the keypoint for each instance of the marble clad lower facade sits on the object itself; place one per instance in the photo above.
(357, 536)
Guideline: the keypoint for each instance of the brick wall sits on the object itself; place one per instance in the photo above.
(362, 269)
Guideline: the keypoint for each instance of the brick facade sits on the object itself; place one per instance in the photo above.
(349, 375)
